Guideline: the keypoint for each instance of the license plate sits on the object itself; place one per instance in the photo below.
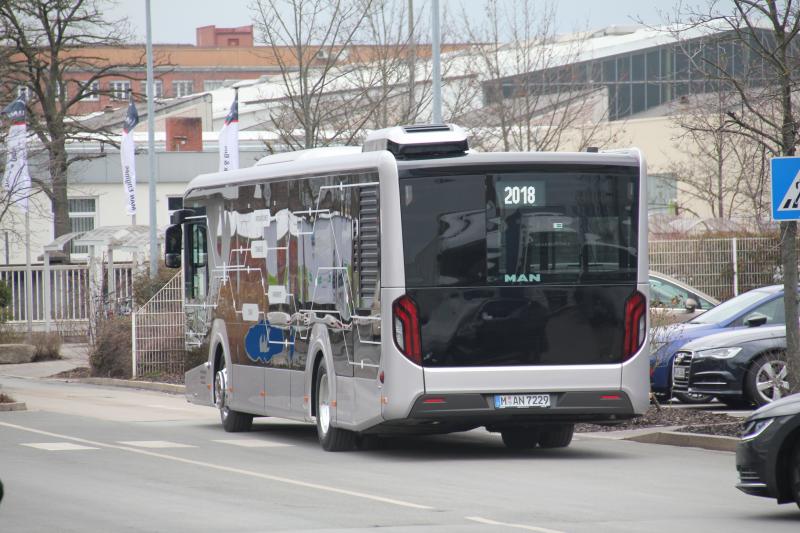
(506, 401)
(679, 372)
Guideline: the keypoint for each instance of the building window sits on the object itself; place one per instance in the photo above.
(91, 91)
(182, 88)
(82, 217)
(173, 204)
(212, 85)
(120, 90)
(158, 85)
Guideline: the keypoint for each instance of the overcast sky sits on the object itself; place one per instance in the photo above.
(175, 21)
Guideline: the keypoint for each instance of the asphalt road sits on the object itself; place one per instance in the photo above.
(87, 458)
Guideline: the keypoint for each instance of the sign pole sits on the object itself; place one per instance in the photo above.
(151, 150)
(28, 277)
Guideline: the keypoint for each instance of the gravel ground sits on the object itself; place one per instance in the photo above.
(693, 420)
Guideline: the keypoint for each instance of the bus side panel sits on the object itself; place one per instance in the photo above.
(367, 411)
(247, 383)
(404, 381)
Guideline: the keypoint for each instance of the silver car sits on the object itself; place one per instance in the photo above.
(676, 301)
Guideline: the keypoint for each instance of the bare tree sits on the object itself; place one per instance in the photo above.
(763, 33)
(310, 41)
(536, 89)
(45, 42)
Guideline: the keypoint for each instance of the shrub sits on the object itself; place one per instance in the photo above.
(145, 288)
(47, 345)
(5, 398)
(111, 351)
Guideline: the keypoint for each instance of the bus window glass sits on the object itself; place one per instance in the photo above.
(550, 225)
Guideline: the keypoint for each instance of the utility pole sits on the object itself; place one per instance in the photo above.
(436, 60)
(151, 150)
(412, 62)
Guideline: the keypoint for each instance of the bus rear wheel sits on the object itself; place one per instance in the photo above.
(232, 421)
(331, 438)
(557, 436)
(520, 438)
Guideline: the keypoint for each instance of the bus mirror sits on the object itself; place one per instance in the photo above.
(179, 216)
(172, 248)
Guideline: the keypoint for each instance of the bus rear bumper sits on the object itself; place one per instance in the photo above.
(565, 407)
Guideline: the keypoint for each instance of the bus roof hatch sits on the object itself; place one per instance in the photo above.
(419, 141)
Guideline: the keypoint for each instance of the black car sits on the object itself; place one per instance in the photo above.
(768, 455)
(739, 367)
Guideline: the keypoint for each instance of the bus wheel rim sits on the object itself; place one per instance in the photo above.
(324, 405)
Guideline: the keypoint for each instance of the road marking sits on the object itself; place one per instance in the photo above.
(232, 470)
(516, 526)
(57, 446)
(155, 444)
(253, 443)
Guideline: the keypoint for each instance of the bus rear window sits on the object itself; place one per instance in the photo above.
(555, 224)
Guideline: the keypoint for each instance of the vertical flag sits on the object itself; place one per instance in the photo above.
(127, 152)
(16, 178)
(229, 139)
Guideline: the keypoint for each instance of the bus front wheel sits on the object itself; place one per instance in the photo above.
(232, 421)
(331, 438)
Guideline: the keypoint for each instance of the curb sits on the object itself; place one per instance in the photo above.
(692, 440)
(13, 406)
(131, 384)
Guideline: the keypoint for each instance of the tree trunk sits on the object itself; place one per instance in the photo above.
(58, 175)
(789, 260)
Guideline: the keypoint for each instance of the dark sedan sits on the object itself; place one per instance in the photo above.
(739, 367)
(768, 455)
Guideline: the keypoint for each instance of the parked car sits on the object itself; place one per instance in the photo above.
(768, 454)
(675, 300)
(754, 308)
(740, 367)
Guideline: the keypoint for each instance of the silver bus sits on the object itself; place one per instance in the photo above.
(413, 286)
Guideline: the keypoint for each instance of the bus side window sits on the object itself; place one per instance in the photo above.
(197, 261)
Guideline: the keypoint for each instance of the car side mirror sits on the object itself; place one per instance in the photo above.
(691, 305)
(755, 320)
(172, 246)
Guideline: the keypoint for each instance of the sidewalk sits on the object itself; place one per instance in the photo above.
(74, 356)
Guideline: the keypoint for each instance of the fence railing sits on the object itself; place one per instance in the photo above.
(70, 293)
(158, 329)
(722, 268)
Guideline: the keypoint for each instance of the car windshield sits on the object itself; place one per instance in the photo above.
(729, 310)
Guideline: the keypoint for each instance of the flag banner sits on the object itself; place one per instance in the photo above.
(127, 152)
(16, 178)
(229, 139)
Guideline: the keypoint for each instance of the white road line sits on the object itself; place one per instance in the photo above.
(253, 443)
(57, 446)
(516, 526)
(155, 444)
(212, 466)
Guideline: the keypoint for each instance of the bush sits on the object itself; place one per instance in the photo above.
(145, 288)
(111, 353)
(48, 346)
(5, 398)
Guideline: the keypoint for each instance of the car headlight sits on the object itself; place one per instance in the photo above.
(718, 353)
(754, 428)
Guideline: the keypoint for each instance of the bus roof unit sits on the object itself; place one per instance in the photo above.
(419, 141)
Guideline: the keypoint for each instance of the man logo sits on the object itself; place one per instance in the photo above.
(523, 278)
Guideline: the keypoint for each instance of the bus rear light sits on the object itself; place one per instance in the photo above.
(434, 400)
(610, 397)
(635, 324)
(405, 318)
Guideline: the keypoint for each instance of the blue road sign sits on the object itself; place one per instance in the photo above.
(785, 188)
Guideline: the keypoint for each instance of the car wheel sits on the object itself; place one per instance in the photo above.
(693, 398)
(794, 478)
(232, 421)
(331, 438)
(556, 436)
(520, 438)
(767, 379)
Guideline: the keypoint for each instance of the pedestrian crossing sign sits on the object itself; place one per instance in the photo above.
(785, 188)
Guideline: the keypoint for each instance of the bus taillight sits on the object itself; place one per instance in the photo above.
(635, 324)
(406, 328)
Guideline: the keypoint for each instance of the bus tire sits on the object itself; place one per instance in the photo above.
(558, 436)
(520, 438)
(232, 421)
(331, 438)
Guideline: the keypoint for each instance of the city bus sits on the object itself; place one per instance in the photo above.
(413, 286)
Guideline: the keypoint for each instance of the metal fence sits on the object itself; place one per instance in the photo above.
(69, 296)
(722, 268)
(158, 329)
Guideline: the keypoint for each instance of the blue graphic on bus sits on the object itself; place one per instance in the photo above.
(263, 342)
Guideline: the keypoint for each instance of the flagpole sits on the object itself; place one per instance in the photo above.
(151, 149)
